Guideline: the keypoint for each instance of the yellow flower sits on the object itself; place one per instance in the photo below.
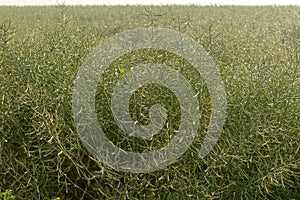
(121, 71)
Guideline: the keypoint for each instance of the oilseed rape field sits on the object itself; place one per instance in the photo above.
(255, 50)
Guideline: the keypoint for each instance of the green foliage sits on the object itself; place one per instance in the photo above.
(256, 49)
(7, 195)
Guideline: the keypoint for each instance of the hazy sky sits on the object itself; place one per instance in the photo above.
(158, 2)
